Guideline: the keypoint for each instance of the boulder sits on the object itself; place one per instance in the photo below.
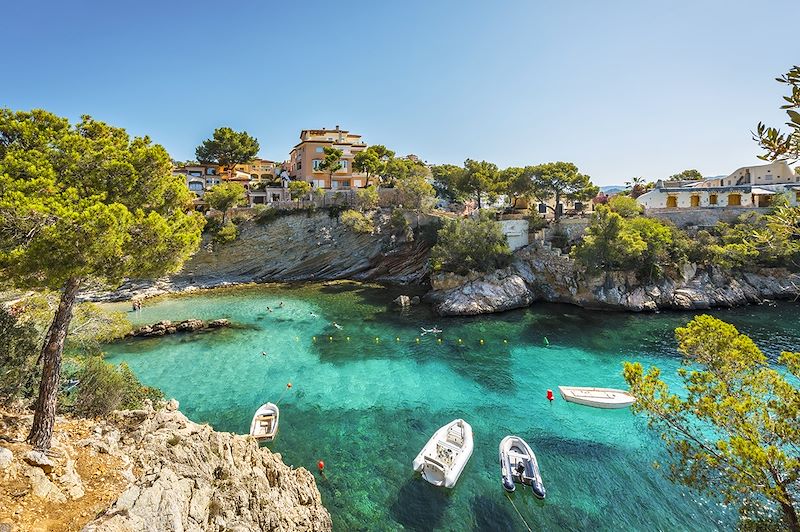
(216, 324)
(402, 301)
(6, 457)
(415, 300)
(40, 460)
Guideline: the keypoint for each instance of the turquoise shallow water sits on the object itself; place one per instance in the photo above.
(367, 405)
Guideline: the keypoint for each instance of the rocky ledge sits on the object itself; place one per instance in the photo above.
(151, 471)
(164, 327)
(542, 274)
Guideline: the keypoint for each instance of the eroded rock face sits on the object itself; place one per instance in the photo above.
(540, 274)
(194, 478)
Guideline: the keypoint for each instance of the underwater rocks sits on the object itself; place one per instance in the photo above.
(167, 327)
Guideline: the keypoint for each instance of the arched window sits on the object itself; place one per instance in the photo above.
(672, 202)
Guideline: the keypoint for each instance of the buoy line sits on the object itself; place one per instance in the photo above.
(519, 514)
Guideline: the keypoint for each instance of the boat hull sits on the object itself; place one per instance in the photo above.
(606, 398)
(518, 464)
(433, 466)
(264, 426)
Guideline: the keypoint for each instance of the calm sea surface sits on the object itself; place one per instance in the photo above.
(365, 398)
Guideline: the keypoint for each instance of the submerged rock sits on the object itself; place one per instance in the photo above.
(402, 301)
(167, 327)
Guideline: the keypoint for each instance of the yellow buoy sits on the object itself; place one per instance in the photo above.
(481, 341)
(348, 338)
(417, 339)
(397, 339)
(439, 340)
(330, 338)
(505, 341)
(459, 340)
(314, 338)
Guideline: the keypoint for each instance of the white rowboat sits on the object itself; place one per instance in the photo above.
(264, 426)
(443, 458)
(597, 397)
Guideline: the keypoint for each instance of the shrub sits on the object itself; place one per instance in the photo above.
(400, 225)
(358, 222)
(18, 353)
(227, 233)
(299, 189)
(264, 214)
(537, 222)
(625, 206)
(103, 387)
(367, 198)
(465, 245)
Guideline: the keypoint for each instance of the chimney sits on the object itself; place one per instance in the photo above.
(337, 127)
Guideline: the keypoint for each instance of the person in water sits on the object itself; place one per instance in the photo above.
(280, 305)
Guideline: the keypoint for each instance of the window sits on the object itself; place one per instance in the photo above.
(211, 171)
(797, 197)
(195, 173)
(345, 182)
(344, 165)
(315, 164)
(299, 165)
(195, 186)
(734, 200)
(712, 199)
(672, 202)
(319, 149)
(542, 208)
(695, 200)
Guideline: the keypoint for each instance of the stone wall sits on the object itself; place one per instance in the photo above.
(516, 232)
(702, 217)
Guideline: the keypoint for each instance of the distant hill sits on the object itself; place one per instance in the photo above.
(612, 189)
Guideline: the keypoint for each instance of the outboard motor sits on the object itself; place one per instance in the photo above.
(538, 489)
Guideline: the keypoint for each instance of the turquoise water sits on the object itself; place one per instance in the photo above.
(368, 404)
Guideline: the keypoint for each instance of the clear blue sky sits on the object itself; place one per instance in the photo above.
(620, 88)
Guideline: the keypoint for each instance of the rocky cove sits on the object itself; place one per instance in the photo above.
(150, 469)
(318, 247)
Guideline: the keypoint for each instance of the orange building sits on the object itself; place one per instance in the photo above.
(307, 155)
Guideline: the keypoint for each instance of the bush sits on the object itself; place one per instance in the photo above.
(103, 387)
(367, 198)
(264, 214)
(400, 225)
(537, 222)
(227, 233)
(299, 189)
(19, 350)
(465, 245)
(625, 206)
(358, 222)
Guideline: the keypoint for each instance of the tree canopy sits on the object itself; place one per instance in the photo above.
(686, 175)
(734, 427)
(84, 202)
(372, 161)
(777, 144)
(332, 162)
(227, 148)
(470, 244)
(299, 189)
(552, 182)
(479, 178)
(224, 196)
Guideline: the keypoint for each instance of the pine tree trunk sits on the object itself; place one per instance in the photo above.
(44, 417)
(790, 516)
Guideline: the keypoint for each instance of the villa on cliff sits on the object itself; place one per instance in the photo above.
(261, 179)
(748, 187)
(308, 154)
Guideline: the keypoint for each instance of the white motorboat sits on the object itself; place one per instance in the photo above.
(443, 458)
(264, 426)
(597, 397)
(518, 464)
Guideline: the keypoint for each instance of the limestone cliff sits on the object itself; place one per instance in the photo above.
(151, 470)
(542, 274)
(296, 247)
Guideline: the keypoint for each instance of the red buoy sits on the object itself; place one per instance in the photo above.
(550, 395)
(289, 385)
(321, 465)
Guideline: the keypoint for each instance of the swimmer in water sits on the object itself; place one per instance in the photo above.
(337, 325)
(263, 353)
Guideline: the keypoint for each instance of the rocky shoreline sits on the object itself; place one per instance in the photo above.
(151, 470)
(538, 273)
(165, 327)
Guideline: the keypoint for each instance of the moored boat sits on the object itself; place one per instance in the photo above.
(443, 458)
(597, 397)
(264, 426)
(518, 464)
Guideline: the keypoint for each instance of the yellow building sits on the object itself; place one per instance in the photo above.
(308, 154)
(263, 169)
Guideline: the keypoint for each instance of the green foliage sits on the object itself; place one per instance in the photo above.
(537, 222)
(103, 387)
(686, 175)
(625, 206)
(446, 178)
(358, 222)
(372, 161)
(776, 144)
(400, 225)
(415, 192)
(19, 347)
(227, 148)
(332, 162)
(299, 189)
(733, 430)
(87, 201)
(367, 198)
(556, 181)
(224, 196)
(397, 170)
(264, 214)
(645, 245)
(227, 233)
(468, 244)
(479, 178)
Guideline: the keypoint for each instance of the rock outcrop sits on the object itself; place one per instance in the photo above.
(542, 274)
(149, 470)
(293, 248)
(164, 327)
